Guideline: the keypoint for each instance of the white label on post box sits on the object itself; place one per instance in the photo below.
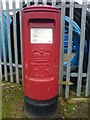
(41, 35)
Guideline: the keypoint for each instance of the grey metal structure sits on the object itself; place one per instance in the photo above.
(62, 44)
(83, 23)
(3, 41)
(15, 66)
(9, 42)
(69, 47)
(15, 41)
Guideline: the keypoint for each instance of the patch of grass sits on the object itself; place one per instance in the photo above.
(12, 104)
(65, 109)
(68, 110)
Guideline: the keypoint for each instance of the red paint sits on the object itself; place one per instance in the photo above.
(40, 61)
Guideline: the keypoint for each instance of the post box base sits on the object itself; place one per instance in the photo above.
(40, 109)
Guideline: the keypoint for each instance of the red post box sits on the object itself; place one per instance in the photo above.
(41, 44)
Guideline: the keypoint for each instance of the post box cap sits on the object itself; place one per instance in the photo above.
(40, 8)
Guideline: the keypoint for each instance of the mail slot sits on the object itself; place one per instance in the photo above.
(41, 46)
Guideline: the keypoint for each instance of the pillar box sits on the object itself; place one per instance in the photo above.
(41, 47)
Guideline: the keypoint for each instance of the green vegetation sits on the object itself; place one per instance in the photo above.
(13, 105)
